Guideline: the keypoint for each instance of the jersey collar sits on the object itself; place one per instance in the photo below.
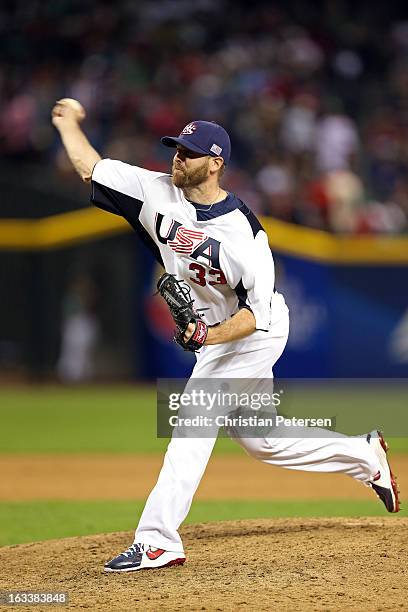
(213, 211)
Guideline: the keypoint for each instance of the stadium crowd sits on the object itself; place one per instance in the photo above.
(315, 98)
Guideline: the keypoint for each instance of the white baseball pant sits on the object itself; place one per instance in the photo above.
(186, 458)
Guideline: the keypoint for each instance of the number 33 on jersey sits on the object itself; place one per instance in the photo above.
(193, 244)
(221, 250)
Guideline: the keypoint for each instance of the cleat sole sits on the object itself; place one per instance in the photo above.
(395, 489)
(171, 563)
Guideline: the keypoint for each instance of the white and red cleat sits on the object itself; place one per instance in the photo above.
(140, 556)
(384, 483)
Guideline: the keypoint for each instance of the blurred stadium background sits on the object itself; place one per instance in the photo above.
(315, 97)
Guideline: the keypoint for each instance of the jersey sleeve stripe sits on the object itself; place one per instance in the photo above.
(242, 295)
(121, 204)
(251, 218)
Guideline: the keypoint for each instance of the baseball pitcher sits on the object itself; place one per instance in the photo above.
(220, 288)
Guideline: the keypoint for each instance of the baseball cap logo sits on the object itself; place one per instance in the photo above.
(189, 129)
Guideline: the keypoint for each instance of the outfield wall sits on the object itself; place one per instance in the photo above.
(348, 296)
(346, 320)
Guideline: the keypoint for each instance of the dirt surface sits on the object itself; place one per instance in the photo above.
(281, 564)
(74, 477)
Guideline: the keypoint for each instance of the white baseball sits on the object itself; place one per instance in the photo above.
(76, 106)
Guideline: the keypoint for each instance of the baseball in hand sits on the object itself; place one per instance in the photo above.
(76, 106)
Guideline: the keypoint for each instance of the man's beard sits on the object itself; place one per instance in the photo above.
(190, 178)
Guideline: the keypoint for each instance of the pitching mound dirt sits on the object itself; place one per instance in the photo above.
(281, 564)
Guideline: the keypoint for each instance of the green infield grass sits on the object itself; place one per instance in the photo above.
(122, 419)
(44, 520)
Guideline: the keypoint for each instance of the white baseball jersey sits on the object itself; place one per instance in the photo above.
(221, 250)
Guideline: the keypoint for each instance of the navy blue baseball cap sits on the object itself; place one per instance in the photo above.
(203, 137)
